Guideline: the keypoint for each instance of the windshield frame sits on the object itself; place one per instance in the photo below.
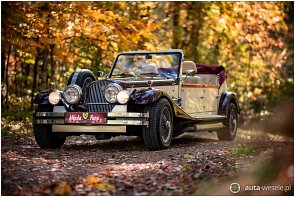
(149, 53)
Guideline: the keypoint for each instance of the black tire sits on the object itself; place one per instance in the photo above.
(81, 78)
(43, 133)
(158, 134)
(231, 125)
(103, 136)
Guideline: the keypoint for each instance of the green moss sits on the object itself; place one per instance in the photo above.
(241, 150)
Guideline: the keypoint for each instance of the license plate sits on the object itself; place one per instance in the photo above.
(85, 118)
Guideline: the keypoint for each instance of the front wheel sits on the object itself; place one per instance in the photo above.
(231, 125)
(43, 133)
(158, 134)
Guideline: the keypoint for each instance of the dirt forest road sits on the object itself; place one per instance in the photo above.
(195, 164)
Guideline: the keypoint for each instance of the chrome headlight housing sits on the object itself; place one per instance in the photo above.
(111, 92)
(123, 97)
(73, 94)
(54, 98)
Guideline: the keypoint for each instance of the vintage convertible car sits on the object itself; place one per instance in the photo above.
(155, 95)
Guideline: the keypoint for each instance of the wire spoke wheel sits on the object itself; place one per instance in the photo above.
(158, 134)
(165, 125)
(231, 125)
(233, 122)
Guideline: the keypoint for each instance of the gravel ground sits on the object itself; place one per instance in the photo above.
(123, 166)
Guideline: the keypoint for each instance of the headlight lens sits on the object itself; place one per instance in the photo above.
(54, 98)
(123, 97)
(111, 92)
(73, 94)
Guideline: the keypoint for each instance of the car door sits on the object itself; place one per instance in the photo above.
(192, 98)
(210, 93)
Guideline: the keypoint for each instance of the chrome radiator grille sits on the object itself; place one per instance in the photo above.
(95, 98)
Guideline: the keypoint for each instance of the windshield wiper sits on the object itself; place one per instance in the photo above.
(167, 75)
(151, 74)
(125, 75)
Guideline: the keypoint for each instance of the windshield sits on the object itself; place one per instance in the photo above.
(147, 65)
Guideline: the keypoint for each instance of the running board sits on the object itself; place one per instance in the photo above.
(209, 117)
(210, 127)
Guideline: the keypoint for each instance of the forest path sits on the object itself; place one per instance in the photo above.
(123, 166)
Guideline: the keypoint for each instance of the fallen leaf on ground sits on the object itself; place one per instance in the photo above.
(187, 156)
(105, 187)
(62, 188)
(91, 180)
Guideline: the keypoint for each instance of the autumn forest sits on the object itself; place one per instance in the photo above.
(44, 42)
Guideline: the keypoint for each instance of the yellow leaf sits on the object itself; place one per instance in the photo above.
(257, 91)
(92, 180)
(105, 187)
(187, 156)
(62, 189)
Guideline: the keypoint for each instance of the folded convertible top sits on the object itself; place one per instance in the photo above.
(208, 69)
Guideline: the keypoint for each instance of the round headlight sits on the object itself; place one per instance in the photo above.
(73, 94)
(123, 97)
(54, 98)
(111, 91)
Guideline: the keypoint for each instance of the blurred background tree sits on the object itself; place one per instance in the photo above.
(47, 41)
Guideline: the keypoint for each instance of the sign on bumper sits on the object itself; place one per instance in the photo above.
(85, 118)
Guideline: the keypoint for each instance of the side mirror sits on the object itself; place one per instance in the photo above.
(190, 73)
(100, 73)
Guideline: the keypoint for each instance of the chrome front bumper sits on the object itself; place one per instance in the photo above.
(113, 119)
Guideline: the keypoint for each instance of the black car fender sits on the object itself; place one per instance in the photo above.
(42, 98)
(150, 95)
(225, 99)
(146, 96)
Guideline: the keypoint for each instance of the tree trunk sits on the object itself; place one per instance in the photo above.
(53, 66)
(16, 73)
(2, 76)
(35, 77)
(44, 69)
(6, 78)
(22, 79)
(28, 69)
(176, 27)
(198, 17)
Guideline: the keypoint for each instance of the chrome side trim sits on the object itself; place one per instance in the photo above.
(49, 121)
(86, 129)
(111, 114)
(209, 117)
(49, 114)
(127, 122)
(98, 103)
(128, 114)
(109, 122)
(156, 82)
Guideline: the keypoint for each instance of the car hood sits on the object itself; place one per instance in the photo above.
(143, 82)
